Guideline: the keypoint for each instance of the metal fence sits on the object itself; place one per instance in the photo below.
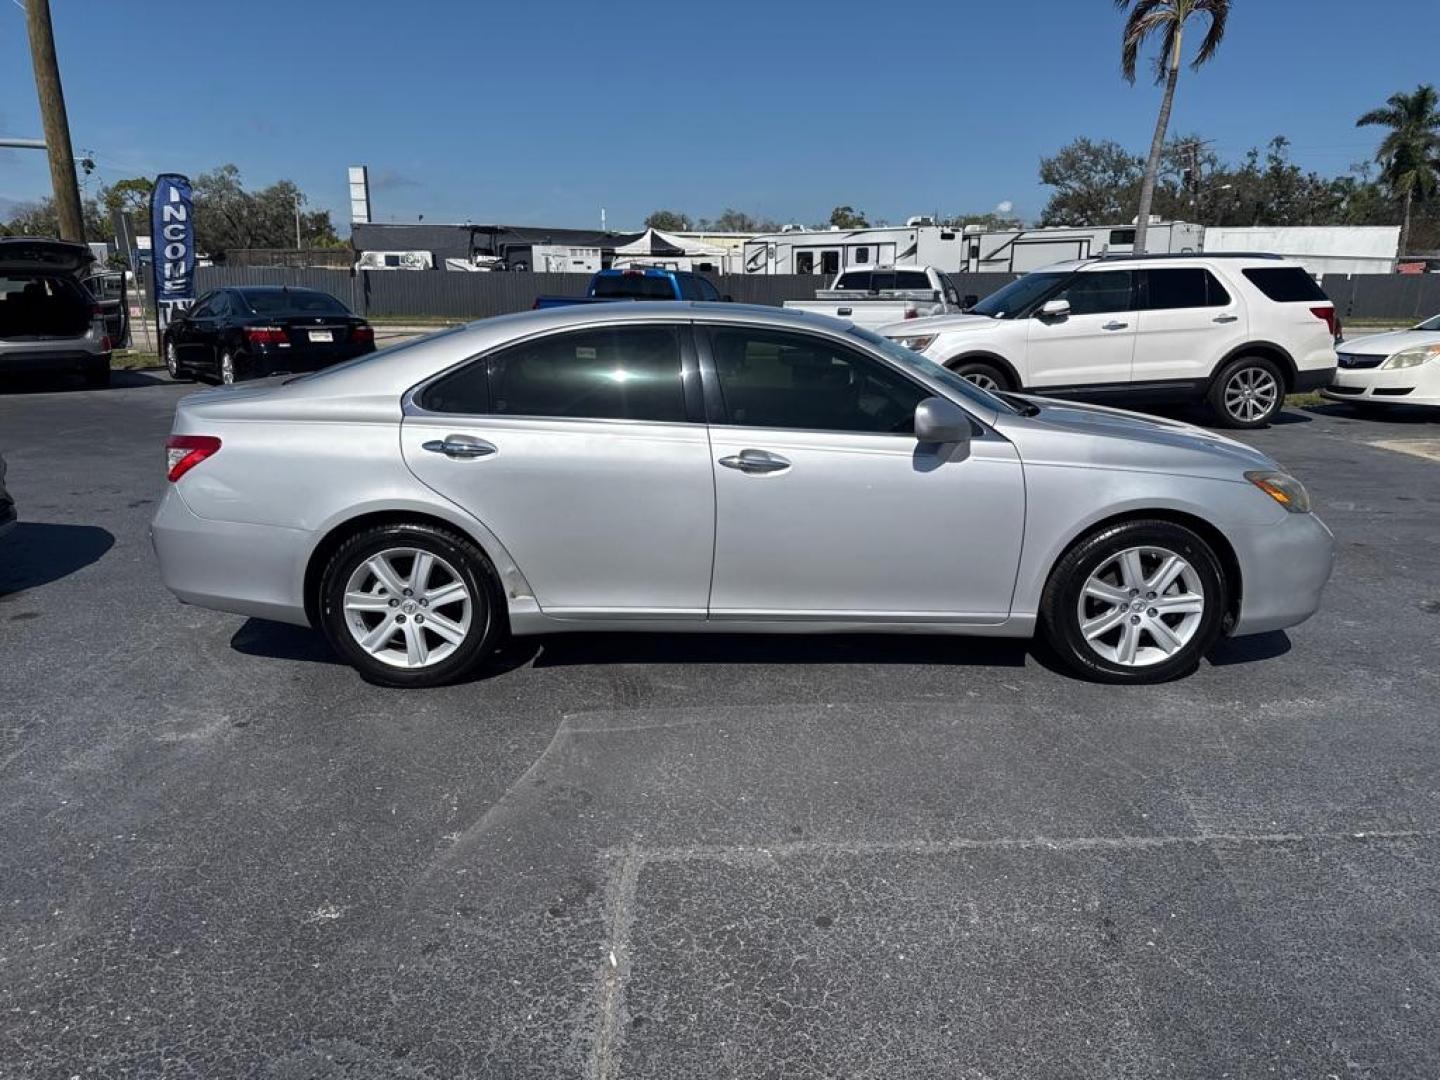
(455, 295)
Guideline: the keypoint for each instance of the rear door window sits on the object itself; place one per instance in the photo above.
(1190, 287)
(1285, 284)
(611, 373)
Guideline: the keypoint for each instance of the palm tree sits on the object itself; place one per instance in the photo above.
(1166, 18)
(1410, 155)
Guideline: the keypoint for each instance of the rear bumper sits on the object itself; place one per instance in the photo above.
(18, 361)
(1283, 571)
(270, 360)
(1308, 379)
(253, 570)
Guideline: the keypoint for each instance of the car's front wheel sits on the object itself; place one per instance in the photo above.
(1135, 602)
(1248, 393)
(410, 605)
(172, 362)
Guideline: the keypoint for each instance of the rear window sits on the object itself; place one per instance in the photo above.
(911, 279)
(858, 280)
(293, 302)
(634, 287)
(1285, 284)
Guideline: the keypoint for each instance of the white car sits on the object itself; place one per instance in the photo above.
(1399, 368)
(1237, 331)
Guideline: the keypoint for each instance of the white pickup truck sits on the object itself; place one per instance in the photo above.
(884, 294)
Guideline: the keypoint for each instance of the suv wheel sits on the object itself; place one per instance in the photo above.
(1247, 393)
(986, 376)
(1138, 602)
(410, 605)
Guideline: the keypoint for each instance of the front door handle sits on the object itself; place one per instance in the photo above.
(1227, 318)
(755, 461)
(1115, 326)
(460, 446)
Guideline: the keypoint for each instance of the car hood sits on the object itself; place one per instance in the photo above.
(1392, 342)
(1063, 432)
(939, 324)
(26, 255)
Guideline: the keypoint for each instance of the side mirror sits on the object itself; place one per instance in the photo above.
(940, 420)
(1055, 309)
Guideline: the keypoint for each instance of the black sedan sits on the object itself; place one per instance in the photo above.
(249, 332)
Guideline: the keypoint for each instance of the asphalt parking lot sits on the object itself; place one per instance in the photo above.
(224, 855)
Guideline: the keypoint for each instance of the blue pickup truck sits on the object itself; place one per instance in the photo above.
(638, 283)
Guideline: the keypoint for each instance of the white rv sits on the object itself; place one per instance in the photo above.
(968, 250)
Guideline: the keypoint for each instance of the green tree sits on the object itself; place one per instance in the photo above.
(990, 221)
(1094, 182)
(847, 217)
(668, 221)
(227, 216)
(1409, 156)
(738, 221)
(39, 218)
(130, 196)
(1167, 19)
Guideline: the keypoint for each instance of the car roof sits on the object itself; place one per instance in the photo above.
(274, 289)
(1111, 262)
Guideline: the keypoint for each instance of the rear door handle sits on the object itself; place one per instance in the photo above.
(460, 446)
(1115, 326)
(1227, 318)
(755, 461)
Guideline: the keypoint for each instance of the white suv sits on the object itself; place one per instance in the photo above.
(1237, 331)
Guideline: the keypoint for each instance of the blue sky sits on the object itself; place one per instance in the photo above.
(544, 112)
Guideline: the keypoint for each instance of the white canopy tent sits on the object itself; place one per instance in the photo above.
(656, 248)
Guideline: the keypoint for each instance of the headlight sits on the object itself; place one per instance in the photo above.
(1412, 357)
(919, 344)
(1283, 488)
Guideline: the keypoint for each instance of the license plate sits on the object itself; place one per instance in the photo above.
(321, 335)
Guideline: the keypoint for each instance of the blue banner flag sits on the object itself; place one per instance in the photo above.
(172, 246)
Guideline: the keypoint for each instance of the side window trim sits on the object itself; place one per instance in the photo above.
(715, 411)
(413, 403)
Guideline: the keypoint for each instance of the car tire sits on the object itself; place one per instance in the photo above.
(1101, 639)
(984, 375)
(172, 363)
(1248, 393)
(97, 372)
(355, 605)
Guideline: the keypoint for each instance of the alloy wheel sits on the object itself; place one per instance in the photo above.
(980, 379)
(172, 362)
(1141, 606)
(1251, 394)
(227, 368)
(408, 608)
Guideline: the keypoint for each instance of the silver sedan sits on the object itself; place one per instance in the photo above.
(693, 468)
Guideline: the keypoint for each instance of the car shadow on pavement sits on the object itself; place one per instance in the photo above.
(1249, 649)
(1383, 414)
(37, 553)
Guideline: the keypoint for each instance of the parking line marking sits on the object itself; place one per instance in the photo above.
(1421, 448)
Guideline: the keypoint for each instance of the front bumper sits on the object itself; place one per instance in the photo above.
(1283, 571)
(1404, 386)
(253, 570)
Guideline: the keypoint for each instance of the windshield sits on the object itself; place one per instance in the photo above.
(1018, 296)
(913, 361)
(1430, 324)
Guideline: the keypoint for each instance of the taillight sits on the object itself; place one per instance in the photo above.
(1328, 316)
(265, 335)
(361, 334)
(184, 452)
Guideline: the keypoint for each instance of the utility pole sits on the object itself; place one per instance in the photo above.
(57, 125)
(297, 221)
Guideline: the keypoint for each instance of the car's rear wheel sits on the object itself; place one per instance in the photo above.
(985, 375)
(410, 605)
(1136, 602)
(1248, 392)
(227, 368)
